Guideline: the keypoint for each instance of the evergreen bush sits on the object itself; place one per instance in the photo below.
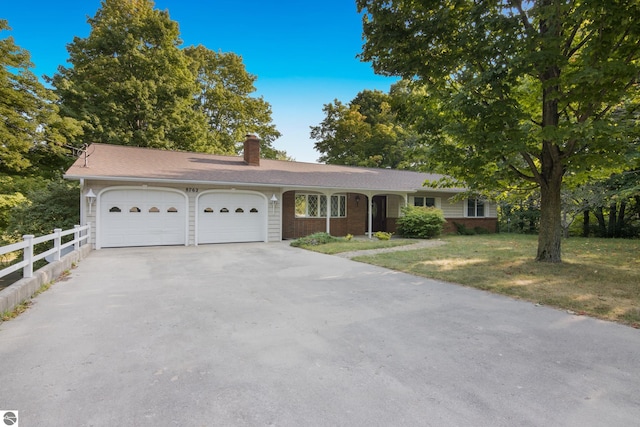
(420, 222)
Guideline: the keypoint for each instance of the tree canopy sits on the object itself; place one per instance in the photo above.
(224, 97)
(131, 83)
(368, 131)
(536, 91)
(31, 130)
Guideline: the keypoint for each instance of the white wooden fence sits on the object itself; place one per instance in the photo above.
(81, 236)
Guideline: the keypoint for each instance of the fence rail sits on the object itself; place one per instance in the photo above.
(81, 236)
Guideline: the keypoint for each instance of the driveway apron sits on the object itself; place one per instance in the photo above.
(265, 334)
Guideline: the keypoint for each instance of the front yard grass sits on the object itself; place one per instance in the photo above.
(598, 277)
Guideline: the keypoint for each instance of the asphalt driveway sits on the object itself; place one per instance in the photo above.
(265, 334)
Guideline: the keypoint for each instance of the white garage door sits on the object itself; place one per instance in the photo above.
(231, 217)
(142, 217)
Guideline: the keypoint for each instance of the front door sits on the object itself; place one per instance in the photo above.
(379, 213)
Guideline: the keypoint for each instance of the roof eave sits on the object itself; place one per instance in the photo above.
(252, 184)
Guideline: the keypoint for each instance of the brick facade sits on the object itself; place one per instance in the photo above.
(355, 223)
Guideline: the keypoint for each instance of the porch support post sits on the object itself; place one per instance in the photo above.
(370, 214)
(328, 218)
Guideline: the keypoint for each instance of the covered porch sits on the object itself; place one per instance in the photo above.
(339, 213)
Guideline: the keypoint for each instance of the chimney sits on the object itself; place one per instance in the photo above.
(252, 150)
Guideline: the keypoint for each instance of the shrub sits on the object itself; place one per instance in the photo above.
(481, 230)
(314, 240)
(348, 237)
(420, 222)
(382, 235)
(44, 209)
(463, 230)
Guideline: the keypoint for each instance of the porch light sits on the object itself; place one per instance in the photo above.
(91, 197)
(274, 200)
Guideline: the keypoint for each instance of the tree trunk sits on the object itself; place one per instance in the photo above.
(551, 168)
(601, 224)
(585, 224)
(620, 221)
(611, 231)
(550, 235)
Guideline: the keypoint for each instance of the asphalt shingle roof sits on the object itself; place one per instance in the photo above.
(116, 162)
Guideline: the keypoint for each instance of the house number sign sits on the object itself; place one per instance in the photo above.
(192, 190)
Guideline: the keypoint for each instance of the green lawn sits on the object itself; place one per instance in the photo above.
(598, 277)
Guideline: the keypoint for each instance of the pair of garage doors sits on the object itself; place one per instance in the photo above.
(155, 217)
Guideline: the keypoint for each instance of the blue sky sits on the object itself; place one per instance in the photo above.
(303, 53)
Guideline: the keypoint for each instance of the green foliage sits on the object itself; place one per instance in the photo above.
(382, 235)
(224, 97)
(420, 222)
(520, 213)
(31, 131)
(314, 240)
(129, 83)
(369, 131)
(56, 206)
(517, 93)
(8, 202)
(462, 230)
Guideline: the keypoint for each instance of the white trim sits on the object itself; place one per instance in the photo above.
(140, 187)
(285, 188)
(484, 203)
(257, 193)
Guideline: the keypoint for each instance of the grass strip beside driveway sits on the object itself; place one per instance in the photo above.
(598, 277)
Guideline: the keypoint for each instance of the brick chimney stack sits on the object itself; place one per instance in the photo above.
(252, 150)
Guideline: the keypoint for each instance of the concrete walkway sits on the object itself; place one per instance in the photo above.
(269, 335)
(420, 244)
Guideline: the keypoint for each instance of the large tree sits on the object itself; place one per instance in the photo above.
(31, 131)
(368, 131)
(522, 89)
(225, 97)
(130, 83)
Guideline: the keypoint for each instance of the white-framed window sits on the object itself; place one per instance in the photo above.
(424, 201)
(315, 206)
(475, 207)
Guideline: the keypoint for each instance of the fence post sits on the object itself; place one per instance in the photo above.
(57, 240)
(76, 237)
(27, 270)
